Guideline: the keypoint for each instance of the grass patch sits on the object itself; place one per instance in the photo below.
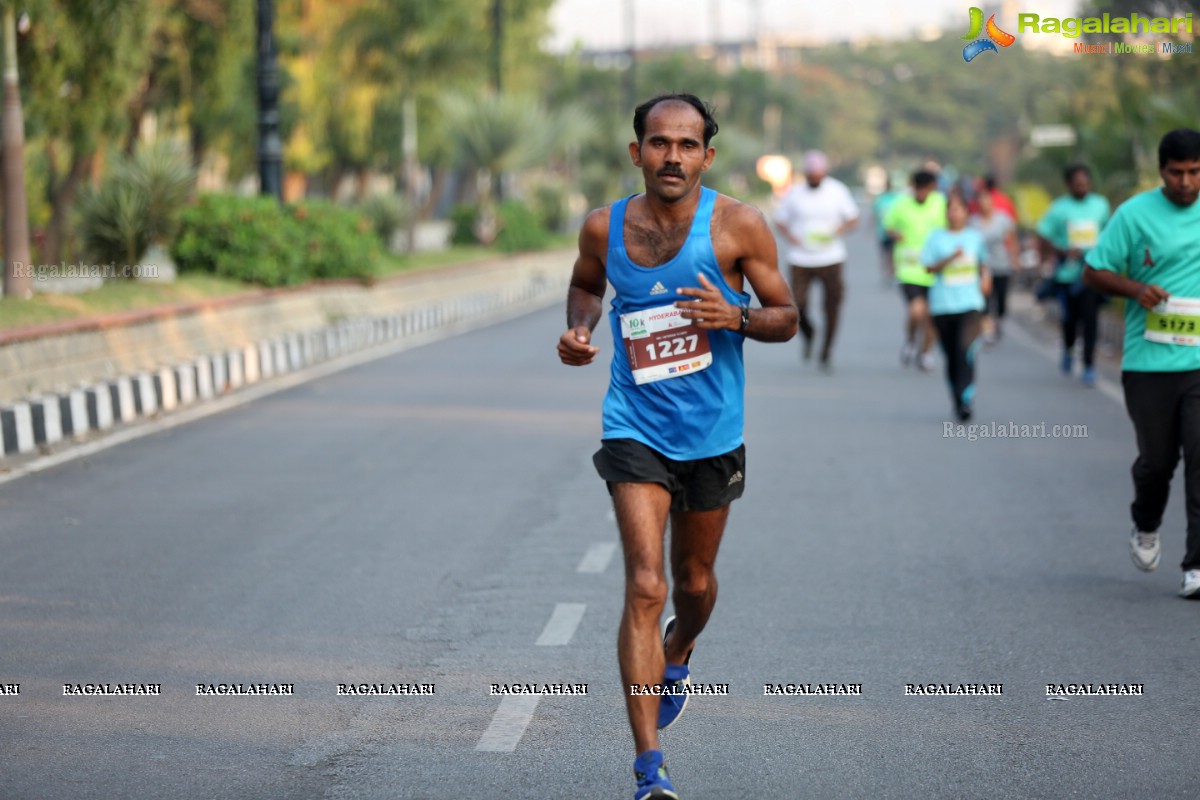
(114, 297)
(118, 296)
(395, 264)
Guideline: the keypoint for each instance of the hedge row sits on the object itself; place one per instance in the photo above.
(258, 240)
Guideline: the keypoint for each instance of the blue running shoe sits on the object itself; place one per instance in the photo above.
(678, 677)
(1089, 376)
(652, 779)
(1067, 363)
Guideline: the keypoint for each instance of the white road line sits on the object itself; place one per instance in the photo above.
(561, 625)
(508, 724)
(597, 557)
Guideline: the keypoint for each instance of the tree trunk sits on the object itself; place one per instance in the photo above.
(363, 178)
(437, 191)
(62, 199)
(198, 144)
(18, 278)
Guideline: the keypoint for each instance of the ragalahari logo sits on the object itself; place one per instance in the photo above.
(995, 36)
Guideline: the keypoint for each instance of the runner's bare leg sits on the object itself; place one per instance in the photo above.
(695, 540)
(642, 510)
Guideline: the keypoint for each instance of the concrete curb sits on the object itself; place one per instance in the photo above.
(88, 410)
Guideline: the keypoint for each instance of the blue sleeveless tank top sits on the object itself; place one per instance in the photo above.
(691, 415)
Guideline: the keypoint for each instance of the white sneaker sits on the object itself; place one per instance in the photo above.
(907, 354)
(927, 362)
(1145, 551)
(1191, 584)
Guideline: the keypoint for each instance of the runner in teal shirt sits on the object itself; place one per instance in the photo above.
(955, 256)
(887, 244)
(1068, 230)
(1150, 254)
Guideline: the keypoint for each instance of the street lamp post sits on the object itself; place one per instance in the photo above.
(270, 146)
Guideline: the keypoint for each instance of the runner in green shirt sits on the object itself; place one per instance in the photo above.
(1150, 254)
(1068, 230)
(909, 221)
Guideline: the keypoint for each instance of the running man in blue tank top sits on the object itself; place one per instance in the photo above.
(679, 257)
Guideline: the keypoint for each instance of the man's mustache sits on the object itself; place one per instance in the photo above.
(665, 171)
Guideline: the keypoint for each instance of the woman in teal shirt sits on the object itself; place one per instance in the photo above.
(956, 256)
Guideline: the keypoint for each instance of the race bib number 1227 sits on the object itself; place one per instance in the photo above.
(661, 344)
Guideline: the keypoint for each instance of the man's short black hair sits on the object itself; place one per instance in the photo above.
(1071, 169)
(922, 178)
(1181, 144)
(705, 110)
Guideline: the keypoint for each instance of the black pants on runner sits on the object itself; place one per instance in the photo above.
(998, 300)
(959, 335)
(1165, 409)
(833, 289)
(1079, 306)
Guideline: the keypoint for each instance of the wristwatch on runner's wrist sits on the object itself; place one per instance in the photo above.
(745, 318)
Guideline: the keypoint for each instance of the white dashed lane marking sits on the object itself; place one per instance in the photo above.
(597, 557)
(561, 625)
(508, 724)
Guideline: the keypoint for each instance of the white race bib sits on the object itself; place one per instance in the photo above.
(1082, 234)
(962, 271)
(1176, 321)
(662, 344)
(818, 238)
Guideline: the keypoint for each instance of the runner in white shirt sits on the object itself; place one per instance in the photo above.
(813, 217)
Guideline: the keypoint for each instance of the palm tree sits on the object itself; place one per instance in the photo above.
(499, 134)
(400, 47)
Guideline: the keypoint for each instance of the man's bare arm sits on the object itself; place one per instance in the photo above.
(746, 235)
(586, 292)
(1147, 295)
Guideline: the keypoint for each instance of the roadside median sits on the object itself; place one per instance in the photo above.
(77, 380)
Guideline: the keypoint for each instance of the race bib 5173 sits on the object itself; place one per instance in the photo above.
(1176, 321)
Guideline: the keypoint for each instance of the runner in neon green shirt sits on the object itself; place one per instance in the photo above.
(909, 221)
(1150, 254)
(1068, 230)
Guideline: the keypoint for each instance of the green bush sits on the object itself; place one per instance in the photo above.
(251, 239)
(462, 224)
(388, 213)
(552, 207)
(519, 228)
(336, 242)
(138, 202)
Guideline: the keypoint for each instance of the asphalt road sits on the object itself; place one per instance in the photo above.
(433, 518)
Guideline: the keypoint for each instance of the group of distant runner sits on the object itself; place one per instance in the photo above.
(680, 258)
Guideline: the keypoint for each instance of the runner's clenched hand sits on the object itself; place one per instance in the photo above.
(710, 310)
(575, 348)
(1151, 295)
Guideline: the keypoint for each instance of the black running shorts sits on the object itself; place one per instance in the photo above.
(701, 485)
(912, 291)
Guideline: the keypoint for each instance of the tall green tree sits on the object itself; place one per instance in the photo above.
(199, 76)
(82, 61)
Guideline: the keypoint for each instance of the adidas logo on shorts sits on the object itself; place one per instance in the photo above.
(658, 288)
(735, 478)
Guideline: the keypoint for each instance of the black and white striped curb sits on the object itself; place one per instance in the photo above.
(27, 426)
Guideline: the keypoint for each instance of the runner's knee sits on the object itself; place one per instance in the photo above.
(695, 581)
(646, 588)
